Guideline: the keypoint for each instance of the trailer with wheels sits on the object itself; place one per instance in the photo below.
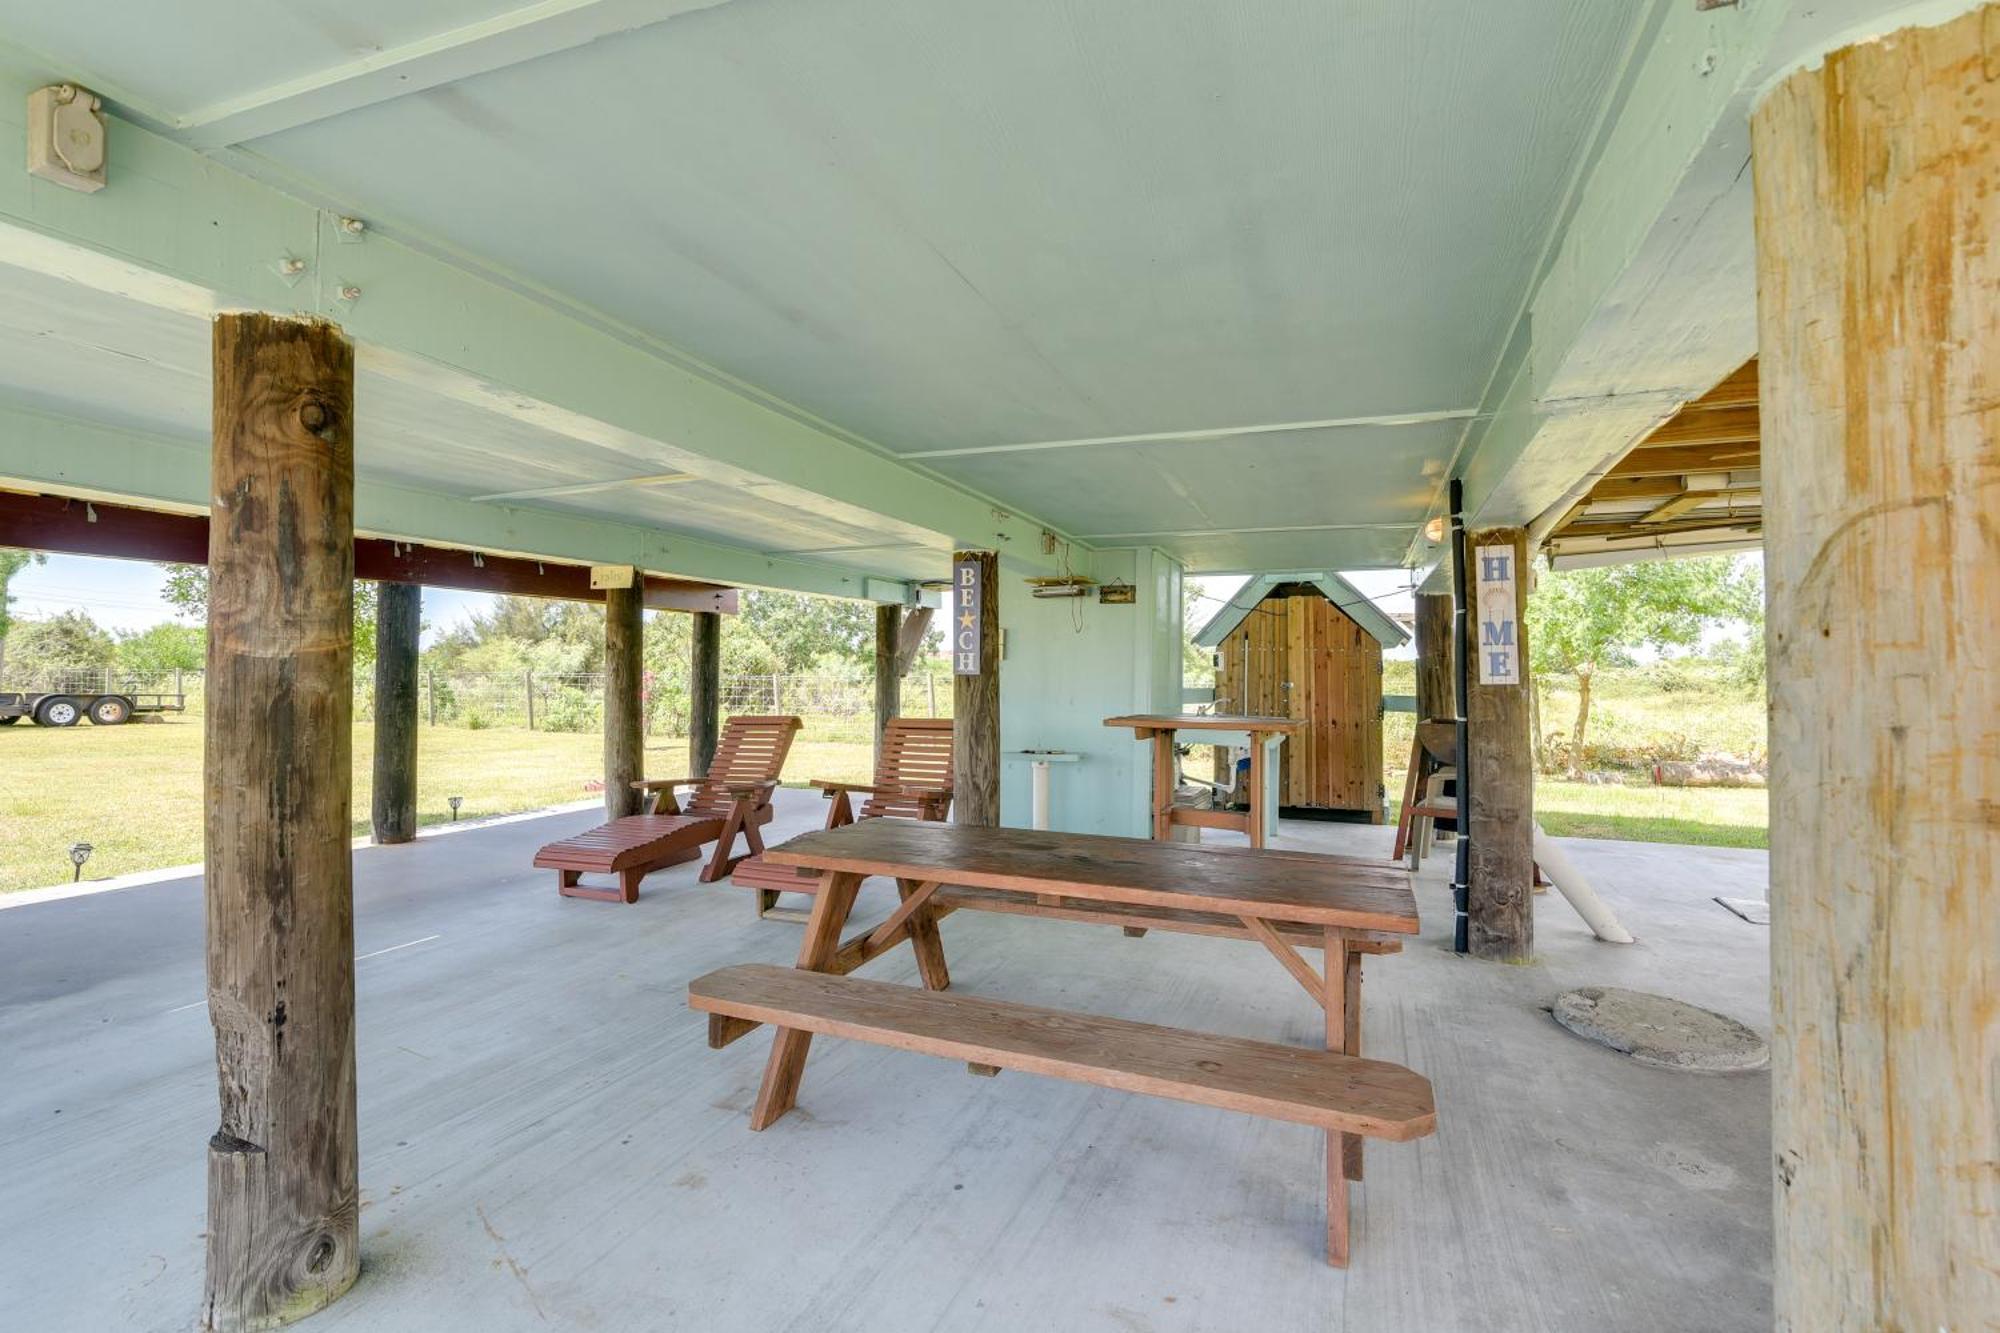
(105, 708)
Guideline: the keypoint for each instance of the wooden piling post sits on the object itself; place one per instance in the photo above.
(976, 696)
(705, 692)
(1878, 258)
(1434, 648)
(398, 627)
(1500, 762)
(888, 671)
(283, 1201)
(624, 739)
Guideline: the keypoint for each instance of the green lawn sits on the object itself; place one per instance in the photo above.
(134, 792)
(1707, 816)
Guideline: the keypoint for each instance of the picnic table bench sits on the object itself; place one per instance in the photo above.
(1286, 901)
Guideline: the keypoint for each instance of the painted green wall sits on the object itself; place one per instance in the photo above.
(1058, 683)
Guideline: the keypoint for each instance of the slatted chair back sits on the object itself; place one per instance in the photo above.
(751, 749)
(916, 752)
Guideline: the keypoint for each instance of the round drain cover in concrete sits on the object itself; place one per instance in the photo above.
(1662, 1031)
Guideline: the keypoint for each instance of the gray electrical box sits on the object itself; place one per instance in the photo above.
(66, 137)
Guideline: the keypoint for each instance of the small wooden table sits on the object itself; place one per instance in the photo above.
(1160, 728)
(1347, 907)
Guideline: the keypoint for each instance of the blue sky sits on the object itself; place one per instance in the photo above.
(125, 594)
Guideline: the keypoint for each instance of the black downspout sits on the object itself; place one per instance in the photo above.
(1462, 865)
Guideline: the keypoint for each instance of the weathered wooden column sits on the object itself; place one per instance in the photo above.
(1434, 635)
(398, 627)
(888, 672)
(283, 1202)
(624, 733)
(1499, 766)
(704, 692)
(975, 698)
(1878, 248)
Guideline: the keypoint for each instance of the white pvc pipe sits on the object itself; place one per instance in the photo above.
(1569, 881)
(1040, 816)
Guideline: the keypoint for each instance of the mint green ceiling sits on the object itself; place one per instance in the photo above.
(956, 225)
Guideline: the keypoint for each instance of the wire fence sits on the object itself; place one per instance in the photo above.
(562, 701)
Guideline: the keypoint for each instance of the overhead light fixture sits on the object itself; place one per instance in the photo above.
(1074, 585)
(1434, 530)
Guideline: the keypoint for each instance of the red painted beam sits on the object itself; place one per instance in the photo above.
(76, 527)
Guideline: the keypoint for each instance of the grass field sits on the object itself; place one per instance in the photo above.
(134, 792)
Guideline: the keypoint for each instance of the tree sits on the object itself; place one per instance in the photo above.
(164, 647)
(804, 631)
(1579, 620)
(12, 562)
(48, 650)
(186, 590)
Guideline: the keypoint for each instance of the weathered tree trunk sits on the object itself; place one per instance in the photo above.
(283, 1202)
(888, 678)
(624, 733)
(1583, 675)
(1500, 876)
(1878, 239)
(976, 704)
(1434, 660)
(705, 692)
(398, 627)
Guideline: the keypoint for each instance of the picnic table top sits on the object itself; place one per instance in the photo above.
(1295, 887)
(1206, 722)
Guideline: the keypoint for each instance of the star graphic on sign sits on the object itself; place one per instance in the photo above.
(966, 621)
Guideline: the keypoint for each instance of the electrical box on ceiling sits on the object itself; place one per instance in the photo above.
(66, 137)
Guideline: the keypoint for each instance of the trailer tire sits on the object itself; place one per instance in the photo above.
(110, 710)
(58, 710)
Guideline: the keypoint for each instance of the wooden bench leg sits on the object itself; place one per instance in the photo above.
(787, 1065)
(1335, 979)
(628, 884)
(1351, 1009)
(925, 941)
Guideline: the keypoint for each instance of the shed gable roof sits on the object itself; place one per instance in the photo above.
(1334, 588)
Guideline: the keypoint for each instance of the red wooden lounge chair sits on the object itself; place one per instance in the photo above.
(734, 798)
(912, 781)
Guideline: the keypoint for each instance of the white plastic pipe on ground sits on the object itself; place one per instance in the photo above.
(1569, 882)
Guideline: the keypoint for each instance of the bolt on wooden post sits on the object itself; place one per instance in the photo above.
(283, 1201)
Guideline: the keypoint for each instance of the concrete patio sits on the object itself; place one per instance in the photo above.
(546, 1141)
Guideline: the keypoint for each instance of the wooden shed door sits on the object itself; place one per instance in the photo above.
(1333, 675)
(1303, 657)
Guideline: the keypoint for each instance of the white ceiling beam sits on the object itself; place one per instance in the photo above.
(586, 487)
(478, 48)
(1234, 532)
(1208, 433)
(179, 232)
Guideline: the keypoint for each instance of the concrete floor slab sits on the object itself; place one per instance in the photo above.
(546, 1141)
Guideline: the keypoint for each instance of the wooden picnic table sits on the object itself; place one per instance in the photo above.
(1346, 907)
(1161, 729)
